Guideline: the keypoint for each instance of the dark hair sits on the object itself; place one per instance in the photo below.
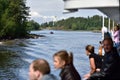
(64, 55)
(90, 48)
(41, 65)
(110, 40)
(117, 27)
(100, 42)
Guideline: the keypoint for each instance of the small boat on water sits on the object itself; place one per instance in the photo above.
(51, 32)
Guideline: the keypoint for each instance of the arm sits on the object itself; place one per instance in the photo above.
(92, 65)
(115, 33)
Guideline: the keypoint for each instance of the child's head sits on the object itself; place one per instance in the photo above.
(89, 49)
(62, 58)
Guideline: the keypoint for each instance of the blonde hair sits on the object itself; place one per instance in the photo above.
(65, 56)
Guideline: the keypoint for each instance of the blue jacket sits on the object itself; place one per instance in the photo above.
(49, 77)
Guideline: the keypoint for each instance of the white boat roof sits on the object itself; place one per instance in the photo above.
(111, 8)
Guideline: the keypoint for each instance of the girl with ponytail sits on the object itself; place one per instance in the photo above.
(63, 60)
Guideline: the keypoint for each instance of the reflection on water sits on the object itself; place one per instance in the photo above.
(10, 63)
(15, 65)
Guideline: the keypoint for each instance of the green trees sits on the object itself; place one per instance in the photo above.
(32, 25)
(13, 18)
(78, 23)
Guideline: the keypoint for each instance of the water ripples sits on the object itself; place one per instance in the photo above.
(45, 47)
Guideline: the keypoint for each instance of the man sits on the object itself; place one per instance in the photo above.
(40, 70)
(111, 63)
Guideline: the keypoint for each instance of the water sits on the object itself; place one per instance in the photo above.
(17, 67)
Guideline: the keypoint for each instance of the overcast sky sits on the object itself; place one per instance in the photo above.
(45, 10)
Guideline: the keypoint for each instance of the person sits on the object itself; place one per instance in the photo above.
(64, 61)
(100, 50)
(116, 36)
(40, 70)
(95, 60)
(110, 69)
(104, 30)
(105, 33)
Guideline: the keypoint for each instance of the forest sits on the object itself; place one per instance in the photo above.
(77, 23)
(13, 19)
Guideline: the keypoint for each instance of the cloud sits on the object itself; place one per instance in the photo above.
(48, 9)
(34, 14)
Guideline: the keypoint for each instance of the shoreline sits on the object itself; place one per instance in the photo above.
(33, 36)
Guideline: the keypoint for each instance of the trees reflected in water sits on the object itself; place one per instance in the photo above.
(10, 63)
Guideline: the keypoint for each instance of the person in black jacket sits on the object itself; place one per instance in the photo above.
(111, 63)
(64, 61)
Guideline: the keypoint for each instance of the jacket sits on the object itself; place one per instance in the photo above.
(49, 77)
(69, 73)
(110, 68)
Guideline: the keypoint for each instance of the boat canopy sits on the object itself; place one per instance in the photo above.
(110, 8)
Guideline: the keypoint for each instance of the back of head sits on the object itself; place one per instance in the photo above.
(41, 65)
(90, 48)
(64, 55)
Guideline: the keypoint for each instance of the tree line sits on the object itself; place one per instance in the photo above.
(77, 23)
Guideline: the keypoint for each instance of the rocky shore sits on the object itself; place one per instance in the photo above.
(33, 36)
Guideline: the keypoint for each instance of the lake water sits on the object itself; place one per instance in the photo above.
(17, 66)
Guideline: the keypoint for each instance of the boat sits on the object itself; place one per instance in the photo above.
(51, 32)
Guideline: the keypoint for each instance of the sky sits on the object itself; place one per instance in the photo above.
(52, 10)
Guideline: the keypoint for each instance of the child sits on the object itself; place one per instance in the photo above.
(64, 61)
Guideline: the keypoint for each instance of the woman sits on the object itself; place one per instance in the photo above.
(95, 61)
(64, 61)
(116, 36)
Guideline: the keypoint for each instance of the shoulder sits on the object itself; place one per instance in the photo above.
(115, 53)
(70, 73)
(92, 55)
(96, 57)
(66, 69)
(49, 77)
